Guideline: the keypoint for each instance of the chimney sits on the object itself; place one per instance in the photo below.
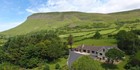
(83, 46)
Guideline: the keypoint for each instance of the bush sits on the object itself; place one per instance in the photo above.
(97, 35)
(57, 66)
(133, 63)
(8, 66)
(46, 67)
(33, 62)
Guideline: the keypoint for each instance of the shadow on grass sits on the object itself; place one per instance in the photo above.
(107, 66)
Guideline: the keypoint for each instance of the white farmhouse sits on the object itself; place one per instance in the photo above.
(95, 51)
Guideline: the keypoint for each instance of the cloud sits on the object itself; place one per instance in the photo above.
(98, 6)
(64, 5)
(30, 10)
(119, 5)
(7, 26)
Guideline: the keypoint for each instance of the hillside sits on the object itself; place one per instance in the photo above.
(75, 20)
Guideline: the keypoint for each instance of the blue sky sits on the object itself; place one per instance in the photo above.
(15, 12)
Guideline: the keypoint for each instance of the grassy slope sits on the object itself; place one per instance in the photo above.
(47, 21)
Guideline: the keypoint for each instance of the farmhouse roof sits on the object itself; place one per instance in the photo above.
(94, 48)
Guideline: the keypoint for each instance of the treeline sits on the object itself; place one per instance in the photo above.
(129, 21)
(129, 42)
(136, 32)
(31, 50)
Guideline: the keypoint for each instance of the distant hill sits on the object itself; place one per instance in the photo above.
(55, 20)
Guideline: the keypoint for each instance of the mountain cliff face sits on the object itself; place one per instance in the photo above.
(54, 20)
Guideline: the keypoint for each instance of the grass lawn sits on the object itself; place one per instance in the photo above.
(96, 42)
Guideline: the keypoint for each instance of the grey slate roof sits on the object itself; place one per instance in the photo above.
(93, 48)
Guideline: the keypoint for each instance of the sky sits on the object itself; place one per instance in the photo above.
(15, 12)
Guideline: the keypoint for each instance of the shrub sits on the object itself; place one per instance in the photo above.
(97, 35)
(8, 66)
(57, 66)
(46, 67)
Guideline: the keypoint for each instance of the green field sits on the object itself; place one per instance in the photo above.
(96, 42)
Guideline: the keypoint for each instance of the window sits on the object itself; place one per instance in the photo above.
(96, 52)
(103, 58)
(93, 51)
(103, 50)
(88, 51)
(80, 50)
(84, 50)
(101, 54)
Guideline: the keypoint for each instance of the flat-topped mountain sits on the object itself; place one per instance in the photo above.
(55, 20)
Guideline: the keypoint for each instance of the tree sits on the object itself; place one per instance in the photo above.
(84, 63)
(70, 40)
(133, 63)
(114, 54)
(56, 49)
(136, 32)
(97, 35)
(127, 41)
(30, 50)
(2, 56)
